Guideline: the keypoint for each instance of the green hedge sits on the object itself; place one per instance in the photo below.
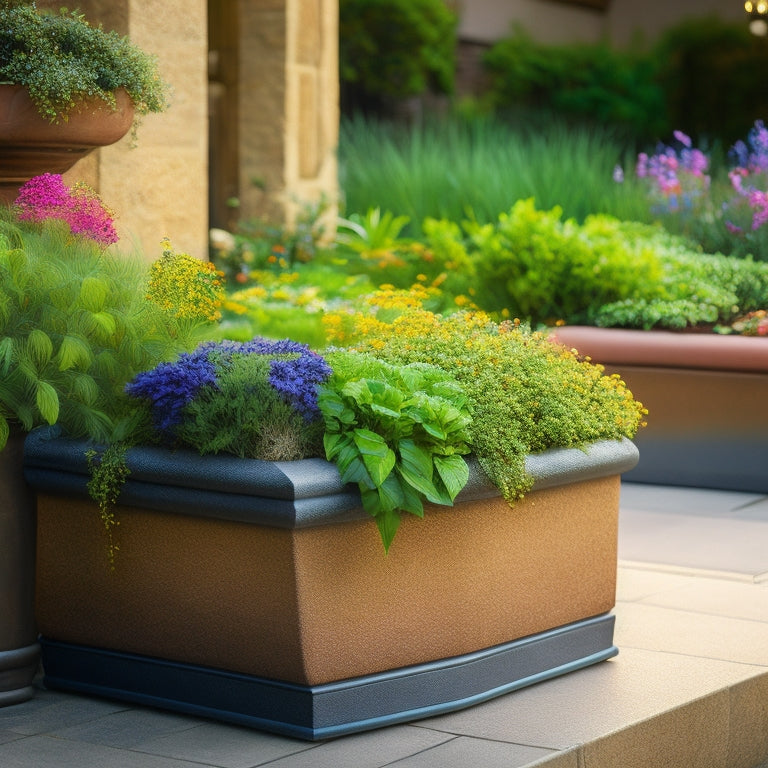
(390, 50)
(703, 76)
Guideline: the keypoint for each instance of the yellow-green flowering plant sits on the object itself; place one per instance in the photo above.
(525, 393)
(189, 291)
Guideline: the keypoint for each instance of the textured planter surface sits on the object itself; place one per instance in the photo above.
(19, 649)
(705, 393)
(31, 145)
(274, 573)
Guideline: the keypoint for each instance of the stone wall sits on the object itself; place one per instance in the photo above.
(280, 113)
(270, 109)
(159, 188)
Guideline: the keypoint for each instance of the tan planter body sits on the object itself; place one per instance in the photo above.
(705, 395)
(319, 602)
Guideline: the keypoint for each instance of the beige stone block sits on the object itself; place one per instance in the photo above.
(748, 737)
(596, 702)
(734, 599)
(636, 584)
(693, 634)
(309, 37)
(692, 736)
(309, 127)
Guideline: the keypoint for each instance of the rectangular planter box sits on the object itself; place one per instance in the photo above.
(705, 395)
(260, 593)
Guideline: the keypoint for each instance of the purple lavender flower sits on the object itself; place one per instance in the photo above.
(169, 387)
(295, 372)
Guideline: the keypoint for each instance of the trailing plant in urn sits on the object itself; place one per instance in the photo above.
(63, 60)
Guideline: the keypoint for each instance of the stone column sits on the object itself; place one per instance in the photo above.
(159, 188)
(288, 105)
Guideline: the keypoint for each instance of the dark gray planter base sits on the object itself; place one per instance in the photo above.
(338, 708)
(18, 668)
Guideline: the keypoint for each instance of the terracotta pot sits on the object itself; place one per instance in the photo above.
(19, 649)
(31, 145)
(260, 593)
(705, 393)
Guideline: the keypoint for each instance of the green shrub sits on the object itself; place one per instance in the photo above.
(534, 265)
(390, 50)
(694, 289)
(588, 82)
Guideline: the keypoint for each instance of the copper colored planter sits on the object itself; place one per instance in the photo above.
(705, 394)
(260, 593)
(31, 145)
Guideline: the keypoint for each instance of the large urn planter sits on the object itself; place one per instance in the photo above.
(31, 145)
(705, 394)
(19, 649)
(259, 593)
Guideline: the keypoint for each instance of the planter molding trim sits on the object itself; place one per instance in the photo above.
(300, 624)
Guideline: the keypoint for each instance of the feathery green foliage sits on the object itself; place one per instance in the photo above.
(75, 326)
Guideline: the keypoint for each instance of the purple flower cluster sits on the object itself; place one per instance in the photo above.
(48, 197)
(752, 155)
(673, 169)
(295, 372)
(749, 179)
(169, 387)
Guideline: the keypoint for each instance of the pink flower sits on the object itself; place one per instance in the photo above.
(48, 197)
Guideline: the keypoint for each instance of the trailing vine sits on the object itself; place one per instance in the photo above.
(109, 472)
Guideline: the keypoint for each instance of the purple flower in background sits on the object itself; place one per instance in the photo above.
(676, 176)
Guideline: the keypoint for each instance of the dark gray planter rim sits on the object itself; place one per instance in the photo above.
(291, 494)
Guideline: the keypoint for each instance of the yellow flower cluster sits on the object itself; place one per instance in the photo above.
(185, 287)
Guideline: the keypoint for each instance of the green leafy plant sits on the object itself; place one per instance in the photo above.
(525, 393)
(693, 289)
(63, 60)
(398, 431)
(109, 472)
(533, 265)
